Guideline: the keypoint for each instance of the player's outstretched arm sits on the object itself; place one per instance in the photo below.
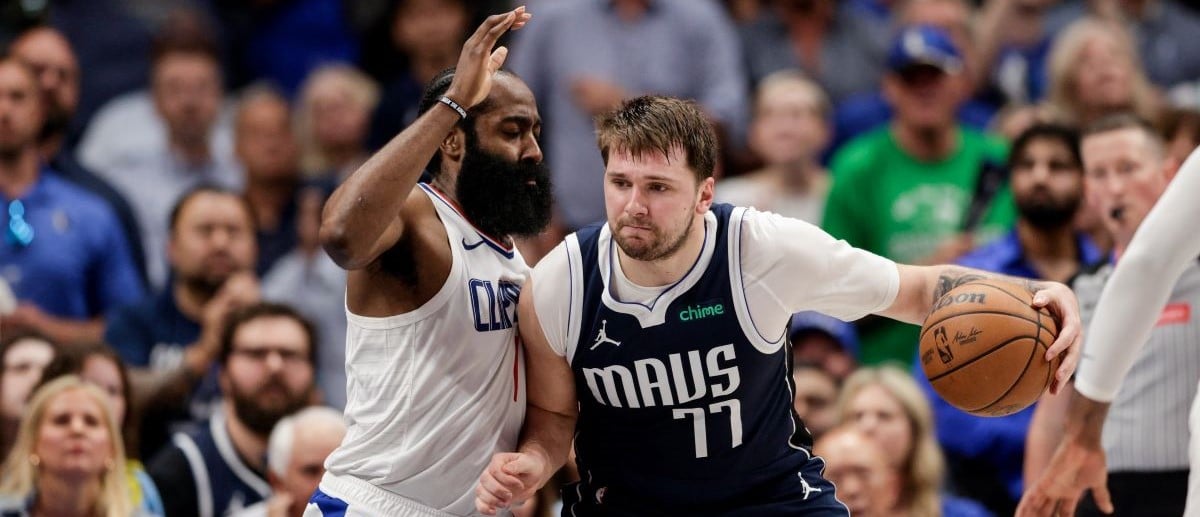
(1078, 463)
(512, 477)
(362, 218)
(921, 286)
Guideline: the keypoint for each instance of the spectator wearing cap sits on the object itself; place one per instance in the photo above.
(985, 455)
(910, 191)
(864, 112)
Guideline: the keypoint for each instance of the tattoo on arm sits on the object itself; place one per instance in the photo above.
(955, 276)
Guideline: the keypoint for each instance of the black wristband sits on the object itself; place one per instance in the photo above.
(450, 102)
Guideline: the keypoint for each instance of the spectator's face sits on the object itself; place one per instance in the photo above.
(23, 365)
(339, 120)
(102, 372)
(49, 55)
(213, 238)
(430, 27)
(858, 469)
(265, 144)
(789, 127)
(823, 350)
(268, 374)
(307, 465)
(187, 93)
(923, 96)
(73, 438)
(1103, 75)
(652, 202)
(815, 396)
(880, 416)
(20, 109)
(1047, 183)
(1125, 176)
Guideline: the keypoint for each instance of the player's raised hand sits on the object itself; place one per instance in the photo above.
(1076, 465)
(509, 480)
(1061, 302)
(478, 62)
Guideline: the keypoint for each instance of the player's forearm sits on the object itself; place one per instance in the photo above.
(921, 286)
(547, 435)
(361, 209)
(1085, 419)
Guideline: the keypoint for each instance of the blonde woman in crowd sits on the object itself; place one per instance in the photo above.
(886, 404)
(67, 457)
(1095, 71)
(332, 120)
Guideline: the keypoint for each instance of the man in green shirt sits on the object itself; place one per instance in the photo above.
(923, 189)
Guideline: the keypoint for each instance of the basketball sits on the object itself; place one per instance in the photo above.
(983, 348)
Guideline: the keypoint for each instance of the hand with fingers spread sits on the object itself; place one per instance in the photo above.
(478, 62)
(1077, 464)
(1062, 304)
(509, 480)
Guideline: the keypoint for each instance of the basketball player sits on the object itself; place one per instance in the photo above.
(656, 341)
(1132, 302)
(434, 382)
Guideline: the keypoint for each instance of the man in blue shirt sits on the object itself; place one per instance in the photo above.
(985, 455)
(64, 253)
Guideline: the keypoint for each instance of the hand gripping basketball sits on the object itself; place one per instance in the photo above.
(988, 346)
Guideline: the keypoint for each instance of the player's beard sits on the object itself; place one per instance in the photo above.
(1046, 212)
(496, 194)
(259, 417)
(660, 247)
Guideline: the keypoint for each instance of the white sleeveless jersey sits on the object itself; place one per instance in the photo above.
(433, 393)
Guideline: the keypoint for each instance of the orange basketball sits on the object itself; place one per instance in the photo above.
(983, 348)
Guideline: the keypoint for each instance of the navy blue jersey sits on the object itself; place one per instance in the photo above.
(201, 473)
(684, 412)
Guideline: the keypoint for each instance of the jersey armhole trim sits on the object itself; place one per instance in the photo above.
(738, 289)
(195, 461)
(574, 296)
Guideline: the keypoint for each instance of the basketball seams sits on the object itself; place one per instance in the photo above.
(979, 356)
(1032, 354)
(930, 324)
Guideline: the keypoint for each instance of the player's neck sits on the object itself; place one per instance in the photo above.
(667, 270)
(249, 446)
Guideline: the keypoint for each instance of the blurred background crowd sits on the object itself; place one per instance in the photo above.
(163, 164)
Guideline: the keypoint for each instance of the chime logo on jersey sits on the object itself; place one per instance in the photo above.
(651, 382)
(495, 306)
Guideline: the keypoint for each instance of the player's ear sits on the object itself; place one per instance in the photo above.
(706, 195)
(454, 145)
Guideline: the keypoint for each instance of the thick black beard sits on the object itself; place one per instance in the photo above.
(261, 420)
(495, 195)
(1048, 216)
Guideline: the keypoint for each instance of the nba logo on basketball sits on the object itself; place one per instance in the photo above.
(943, 345)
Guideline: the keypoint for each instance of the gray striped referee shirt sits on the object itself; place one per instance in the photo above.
(1147, 425)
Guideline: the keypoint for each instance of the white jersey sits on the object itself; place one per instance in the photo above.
(433, 393)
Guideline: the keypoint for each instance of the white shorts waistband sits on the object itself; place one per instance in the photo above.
(362, 496)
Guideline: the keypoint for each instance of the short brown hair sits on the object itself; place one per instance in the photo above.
(1127, 120)
(653, 123)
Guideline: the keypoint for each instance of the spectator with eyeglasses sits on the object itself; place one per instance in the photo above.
(217, 467)
(63, 252)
